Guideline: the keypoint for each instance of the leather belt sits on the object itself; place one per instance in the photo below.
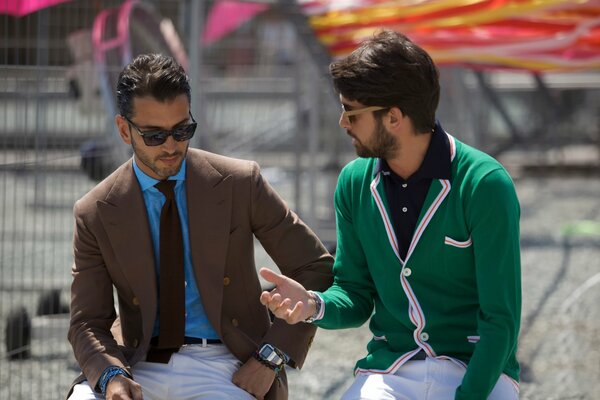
(193, 340)
(190, 340)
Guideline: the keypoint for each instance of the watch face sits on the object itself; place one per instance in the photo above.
(268, 353)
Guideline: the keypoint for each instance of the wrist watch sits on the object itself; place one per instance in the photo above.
(318, 305)
(269, 354)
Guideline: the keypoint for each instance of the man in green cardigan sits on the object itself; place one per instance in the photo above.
(427, 241)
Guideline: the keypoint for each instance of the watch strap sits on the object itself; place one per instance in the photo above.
(319, 308)
(274, 360)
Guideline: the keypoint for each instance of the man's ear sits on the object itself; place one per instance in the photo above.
(124, 129)
(396, 117)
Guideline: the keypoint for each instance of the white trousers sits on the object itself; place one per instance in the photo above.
(195, 372)
(429, 379)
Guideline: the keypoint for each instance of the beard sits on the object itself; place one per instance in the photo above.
(381, 145)
(162, 171)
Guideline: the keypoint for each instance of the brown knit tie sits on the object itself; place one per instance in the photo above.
(172, 279)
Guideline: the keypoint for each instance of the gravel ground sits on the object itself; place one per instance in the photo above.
(560, 337)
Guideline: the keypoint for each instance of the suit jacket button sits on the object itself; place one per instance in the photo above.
(235, 322)
(135, 301)
(226, 281)
(135, 343)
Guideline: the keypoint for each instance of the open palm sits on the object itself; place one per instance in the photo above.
(289, 300)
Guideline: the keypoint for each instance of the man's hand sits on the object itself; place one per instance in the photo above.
(289, 300)
(254, 378)
(122, 388)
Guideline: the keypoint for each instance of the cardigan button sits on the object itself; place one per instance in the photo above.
(424, 336)
(135, 301)
(406, 272)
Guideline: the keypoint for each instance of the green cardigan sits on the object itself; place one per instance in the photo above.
(458, 293)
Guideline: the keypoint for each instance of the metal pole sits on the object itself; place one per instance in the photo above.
(298, 136)
(41, 134)
(313, 146)
(515, 133)
(195, 23)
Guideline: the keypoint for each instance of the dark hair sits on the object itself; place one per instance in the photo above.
(389, 70)
(153, 75)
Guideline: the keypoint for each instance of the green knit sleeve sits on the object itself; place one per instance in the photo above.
(349, 301)
(493, 217)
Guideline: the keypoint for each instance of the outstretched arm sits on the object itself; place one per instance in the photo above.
(289, 300)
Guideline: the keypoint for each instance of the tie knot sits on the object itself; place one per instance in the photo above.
(166, 187)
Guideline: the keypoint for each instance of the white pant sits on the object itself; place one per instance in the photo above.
(429, 379)
(195, 372)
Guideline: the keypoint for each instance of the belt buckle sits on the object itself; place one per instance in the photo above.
(203, 343)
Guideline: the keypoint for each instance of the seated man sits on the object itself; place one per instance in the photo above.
(428, 241)
(172, 231)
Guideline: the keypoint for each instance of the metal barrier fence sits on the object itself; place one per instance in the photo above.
(57, 139)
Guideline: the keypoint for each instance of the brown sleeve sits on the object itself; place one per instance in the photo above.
(92, 306)
(298, 253)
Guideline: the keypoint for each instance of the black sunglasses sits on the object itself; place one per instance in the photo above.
(159, 136)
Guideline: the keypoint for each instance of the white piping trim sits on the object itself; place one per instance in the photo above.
(428, 215)
(392, 368)
(386, 221)
(452, 146)
(415, 311)
(473, 339)
(457, 243)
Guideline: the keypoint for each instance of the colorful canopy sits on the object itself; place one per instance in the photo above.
(537, 35)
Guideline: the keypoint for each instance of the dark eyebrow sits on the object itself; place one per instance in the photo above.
(158, 128)
(183, 122)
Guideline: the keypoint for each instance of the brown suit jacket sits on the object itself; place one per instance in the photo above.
(229, 203)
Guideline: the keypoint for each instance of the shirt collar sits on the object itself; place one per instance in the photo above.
(436, 164)
(147, 182)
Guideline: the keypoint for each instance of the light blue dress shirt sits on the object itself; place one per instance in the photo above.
(196, 321)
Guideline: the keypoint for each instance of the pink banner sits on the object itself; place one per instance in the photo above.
(226, 16)
(19, 8)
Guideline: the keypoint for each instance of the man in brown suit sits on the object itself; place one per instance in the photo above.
(231, 349)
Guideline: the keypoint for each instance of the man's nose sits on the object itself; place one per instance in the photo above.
(344, 122)
(170, 144)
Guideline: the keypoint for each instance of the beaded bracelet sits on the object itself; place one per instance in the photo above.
(275, 368)
(107, 375)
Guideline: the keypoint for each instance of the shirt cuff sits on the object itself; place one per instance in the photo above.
(321, 312)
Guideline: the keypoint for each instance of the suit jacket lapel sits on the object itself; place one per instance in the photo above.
(209, 198)
(123, 215)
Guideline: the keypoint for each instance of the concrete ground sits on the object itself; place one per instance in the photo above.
(560, 336)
